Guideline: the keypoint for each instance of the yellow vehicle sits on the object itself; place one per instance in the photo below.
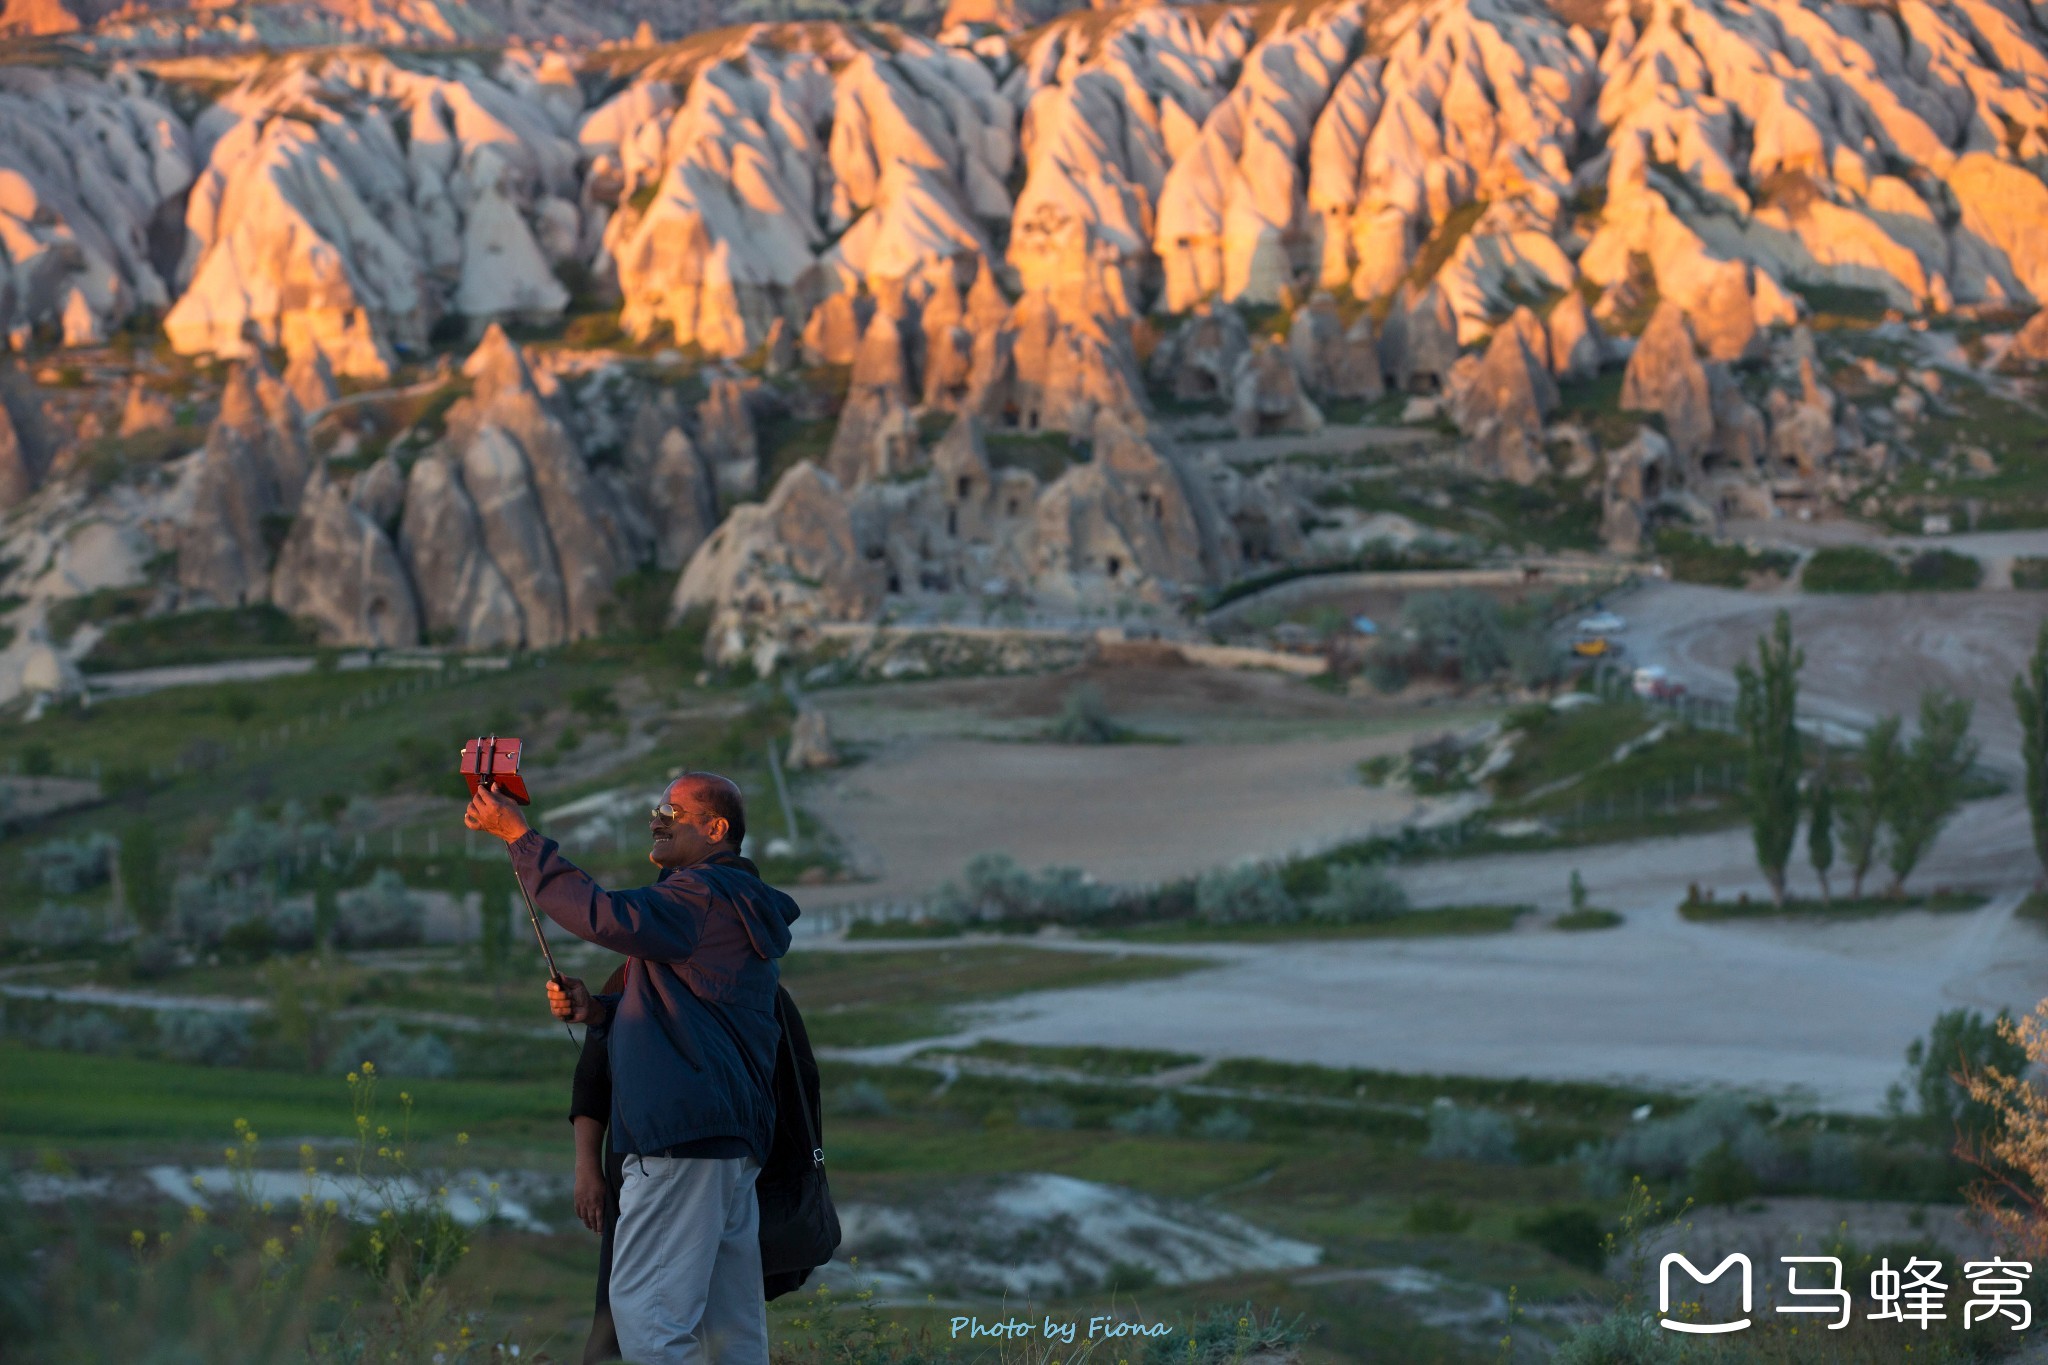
(1593, 647)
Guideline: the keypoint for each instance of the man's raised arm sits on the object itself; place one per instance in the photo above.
(658, 923)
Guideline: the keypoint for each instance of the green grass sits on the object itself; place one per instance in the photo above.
(1854, 569)
(1557, 746)
(1703, 910)
(65, 1099)
(1552, 514)
(1592, 917)
(1693, 558)
(1453, 921)
(2030, 573)
(198, 637)
(868, 999)
(904, 929)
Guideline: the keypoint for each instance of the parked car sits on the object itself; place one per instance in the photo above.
(1602, 623)
(1655, 684)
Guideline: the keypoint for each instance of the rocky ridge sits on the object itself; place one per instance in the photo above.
(1004, 243)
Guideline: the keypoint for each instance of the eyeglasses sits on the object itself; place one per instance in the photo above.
(665, 813)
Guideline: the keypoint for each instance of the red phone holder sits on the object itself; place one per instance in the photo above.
(494, 762)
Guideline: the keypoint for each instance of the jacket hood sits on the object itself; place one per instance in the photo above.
(765, 912)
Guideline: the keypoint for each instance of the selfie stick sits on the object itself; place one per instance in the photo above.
(487, 754)
(533, 916)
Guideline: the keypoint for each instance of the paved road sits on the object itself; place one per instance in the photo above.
(1817, 1015)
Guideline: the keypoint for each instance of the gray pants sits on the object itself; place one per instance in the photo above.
(686, 1265)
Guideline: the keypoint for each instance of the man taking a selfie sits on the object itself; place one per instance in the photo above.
(692, 1043)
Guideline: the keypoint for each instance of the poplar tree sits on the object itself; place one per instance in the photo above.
(1766, 710)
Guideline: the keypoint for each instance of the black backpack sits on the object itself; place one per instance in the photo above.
(799, 1226)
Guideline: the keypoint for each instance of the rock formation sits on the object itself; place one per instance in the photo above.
(1332, 359)
(339, 570)
(1266, 395)
(1501, 402)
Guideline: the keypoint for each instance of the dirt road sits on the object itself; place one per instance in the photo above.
(1865, 654)
(1820, 1016)
(1822, 1013)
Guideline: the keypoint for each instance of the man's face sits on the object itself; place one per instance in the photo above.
(691, 836)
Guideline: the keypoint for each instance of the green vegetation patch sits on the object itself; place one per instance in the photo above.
(70, 1098)
(1693, 558)
(198, 637)
(1552, 514)
(1592, 917)
(1856, 568)
(2030, 573)
(1701, 906)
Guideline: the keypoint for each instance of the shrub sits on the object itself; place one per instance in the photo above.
(1050, 1114)
(1534, 659)
(381, 914)
(61, 928)
(205, 912)
(1226, 1125)
(208, 1037)
(1224, 1336)
(151, 957)
(1437, 1216)
(1851, 568)
(1854, 568)
(1677, 1147)
(1359, 891)
(1458, 630)
(1831, 1163)
(247, 846)
(1693, 558)
(1436, 765)
(1591, 918)
(1573, 1235)
(994, 888)
(2030, 572)
(1622, 1338)
(67, 867)
(1961, 1043)
(1723, 1178)
(594, 701)
(394, 1052)
(1161, 1118)
(1943, 571)
(1243, 895)
(861, 1099)
(1084, 718)
(1458, 1134)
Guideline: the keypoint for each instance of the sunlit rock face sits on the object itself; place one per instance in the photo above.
(342, 204)
(1055, 239)
(345, 204)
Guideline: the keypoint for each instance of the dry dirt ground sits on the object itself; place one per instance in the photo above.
(1820, 1013)
(1865, 654)
(1233, 766)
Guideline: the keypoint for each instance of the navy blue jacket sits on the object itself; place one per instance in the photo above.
(693, 1033)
